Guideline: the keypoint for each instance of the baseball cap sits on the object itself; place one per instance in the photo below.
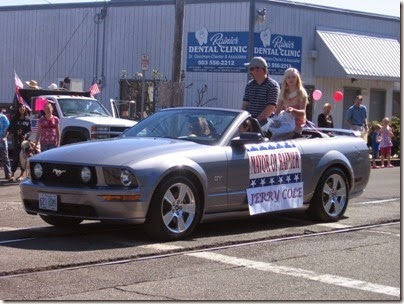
(256, 62)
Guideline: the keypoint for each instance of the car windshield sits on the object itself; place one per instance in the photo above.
(205, 126)
(82, 107)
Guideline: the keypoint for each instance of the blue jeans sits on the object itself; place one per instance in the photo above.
(4, 157)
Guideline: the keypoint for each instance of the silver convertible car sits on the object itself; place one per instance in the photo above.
(182, 166)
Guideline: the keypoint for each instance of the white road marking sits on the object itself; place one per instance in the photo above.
(289, 271)
(300, 273)
(385, 232)
(162, 247)
(379, 201)
(334, 225)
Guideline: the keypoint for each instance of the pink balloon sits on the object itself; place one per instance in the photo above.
(317, 95)
(338, 96)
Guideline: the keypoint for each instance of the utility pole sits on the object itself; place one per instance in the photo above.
(177, 47)
(251, 31)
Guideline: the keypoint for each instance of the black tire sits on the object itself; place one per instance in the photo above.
(331, 197)
(175, 210)
(60, 221)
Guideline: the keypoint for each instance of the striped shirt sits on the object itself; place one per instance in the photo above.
(261, 95)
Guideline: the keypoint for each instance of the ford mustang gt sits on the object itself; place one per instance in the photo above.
(182, 166)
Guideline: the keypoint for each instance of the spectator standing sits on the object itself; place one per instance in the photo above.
(53, 86)
(324, 120)
(375, 144)
(65, 84)
(32, 84)
(4, 123)
(262, 92)
(48, 134)
(20, 128)
(293, 98)
(356, 116)
(386, 133)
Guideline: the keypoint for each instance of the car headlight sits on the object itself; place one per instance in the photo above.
(38, 171)
(119, 177)
(126, 178)
(85, 174)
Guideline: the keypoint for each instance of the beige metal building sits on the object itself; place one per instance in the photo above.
(118, 42)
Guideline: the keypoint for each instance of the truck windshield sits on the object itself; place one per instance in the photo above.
(85, 107)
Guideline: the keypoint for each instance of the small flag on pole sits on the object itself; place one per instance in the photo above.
(19, 85)
(94, 89)
(18, 82)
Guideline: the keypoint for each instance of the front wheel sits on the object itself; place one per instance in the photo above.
(175, 210)
(60, 221)
(331, 197)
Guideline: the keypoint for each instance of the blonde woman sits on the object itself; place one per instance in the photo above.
(293, 98)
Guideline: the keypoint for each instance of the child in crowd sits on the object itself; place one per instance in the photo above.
(386, 133)
(375, 144)
(293, 99)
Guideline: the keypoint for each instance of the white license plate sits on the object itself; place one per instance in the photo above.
(48, 201)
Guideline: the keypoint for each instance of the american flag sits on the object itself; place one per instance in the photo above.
(19, 85)
(34, 125)
(18, 82)
(94, 90)
(20, 99)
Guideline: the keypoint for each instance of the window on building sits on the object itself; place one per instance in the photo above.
(377, 105)
(396, 104)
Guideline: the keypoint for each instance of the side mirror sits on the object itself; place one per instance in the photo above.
(247, 138)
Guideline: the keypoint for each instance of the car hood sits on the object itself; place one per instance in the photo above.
(105, 121)
(117, 151)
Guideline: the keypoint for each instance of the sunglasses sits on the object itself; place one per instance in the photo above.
(254, 68)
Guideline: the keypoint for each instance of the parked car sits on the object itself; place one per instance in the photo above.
(169, 174)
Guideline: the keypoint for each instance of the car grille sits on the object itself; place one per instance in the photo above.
(63, 175)
(63, 209)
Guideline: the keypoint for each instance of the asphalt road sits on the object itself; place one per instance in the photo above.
(282, 257)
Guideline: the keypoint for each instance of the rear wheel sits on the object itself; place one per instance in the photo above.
(175, 210)
(60, 221)
(331, 197)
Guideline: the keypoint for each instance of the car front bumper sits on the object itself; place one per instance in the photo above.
(85, 203)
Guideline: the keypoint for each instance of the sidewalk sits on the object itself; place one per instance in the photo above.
(395, 161)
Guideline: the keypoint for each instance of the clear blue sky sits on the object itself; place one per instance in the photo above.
(383, 7)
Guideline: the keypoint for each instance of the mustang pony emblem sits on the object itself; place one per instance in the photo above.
(58, 172)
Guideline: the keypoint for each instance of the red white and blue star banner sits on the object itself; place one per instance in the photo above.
(275, 177)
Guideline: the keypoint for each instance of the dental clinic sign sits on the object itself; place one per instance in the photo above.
(228, 51)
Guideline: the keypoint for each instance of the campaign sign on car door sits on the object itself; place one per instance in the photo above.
(275, 177)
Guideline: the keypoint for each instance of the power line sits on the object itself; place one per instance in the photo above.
(65, 46)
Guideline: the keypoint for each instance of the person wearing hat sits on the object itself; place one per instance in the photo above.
(262, 92)
(53, 86)
(32, 84)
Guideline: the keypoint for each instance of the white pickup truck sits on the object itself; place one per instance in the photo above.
(81, 117)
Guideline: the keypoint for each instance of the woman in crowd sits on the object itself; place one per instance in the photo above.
(20, 128)
(324, 119)
(48, 134)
